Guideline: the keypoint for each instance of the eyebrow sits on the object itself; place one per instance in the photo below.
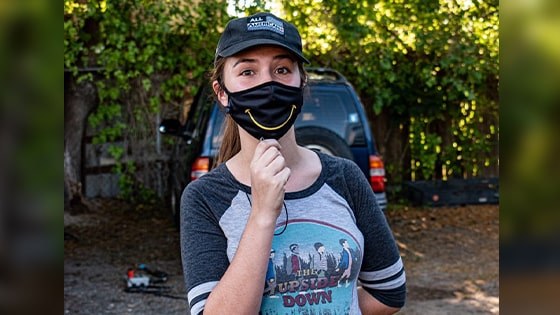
(244, 60)
(252, 60)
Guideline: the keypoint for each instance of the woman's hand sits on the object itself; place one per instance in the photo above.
(269, 175)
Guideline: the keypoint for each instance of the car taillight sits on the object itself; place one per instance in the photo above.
(200, 167)
(376, 173)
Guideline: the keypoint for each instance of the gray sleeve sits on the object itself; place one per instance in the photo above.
(203, 244)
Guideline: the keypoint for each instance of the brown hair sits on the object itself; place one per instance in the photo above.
(231, 144)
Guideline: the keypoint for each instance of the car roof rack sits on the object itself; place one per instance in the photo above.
(324, 74)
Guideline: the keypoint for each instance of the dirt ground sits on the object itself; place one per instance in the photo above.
(450, 256)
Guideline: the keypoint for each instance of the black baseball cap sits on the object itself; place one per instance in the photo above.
(259, 29)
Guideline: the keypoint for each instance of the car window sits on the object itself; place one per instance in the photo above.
(332, 107)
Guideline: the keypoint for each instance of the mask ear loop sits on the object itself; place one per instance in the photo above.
(286, 210)
(304, 83)
(223, 87)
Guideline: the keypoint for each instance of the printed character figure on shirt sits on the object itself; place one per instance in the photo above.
(320, 259)
(295, 262)
(345, 263)
(270, 280)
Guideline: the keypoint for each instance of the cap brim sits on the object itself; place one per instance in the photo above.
(230, 51)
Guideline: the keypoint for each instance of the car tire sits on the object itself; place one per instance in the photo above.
(174, 198)
(178, 171)
(323, 140)
(175, 205)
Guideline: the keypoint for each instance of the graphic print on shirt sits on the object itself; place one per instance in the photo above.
(312, 265)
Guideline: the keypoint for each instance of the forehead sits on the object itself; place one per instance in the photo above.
(263, 52)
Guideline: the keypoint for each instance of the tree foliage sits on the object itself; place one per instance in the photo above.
(430, 68)
(431, 65)
(149, 56)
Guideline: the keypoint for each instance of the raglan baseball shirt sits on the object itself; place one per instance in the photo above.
(338, 212)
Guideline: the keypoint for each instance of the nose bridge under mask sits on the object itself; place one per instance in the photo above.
(270, 89)
(267, 110)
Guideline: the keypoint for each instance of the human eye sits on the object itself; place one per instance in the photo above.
(283, 70)
(246, 72)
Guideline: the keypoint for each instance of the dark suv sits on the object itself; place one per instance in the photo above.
(332, 121)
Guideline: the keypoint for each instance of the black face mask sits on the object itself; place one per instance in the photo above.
(266, 111)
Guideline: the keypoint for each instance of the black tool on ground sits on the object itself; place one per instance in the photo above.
(142, 280)
(156, 275)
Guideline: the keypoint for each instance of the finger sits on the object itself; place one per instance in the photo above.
(284, 175)
(264, 145)
(264, 159)
(276, 164)
(273, 158)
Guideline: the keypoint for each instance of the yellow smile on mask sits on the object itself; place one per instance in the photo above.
(248, 112)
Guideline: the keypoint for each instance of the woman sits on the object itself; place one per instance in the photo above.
(268, 194)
